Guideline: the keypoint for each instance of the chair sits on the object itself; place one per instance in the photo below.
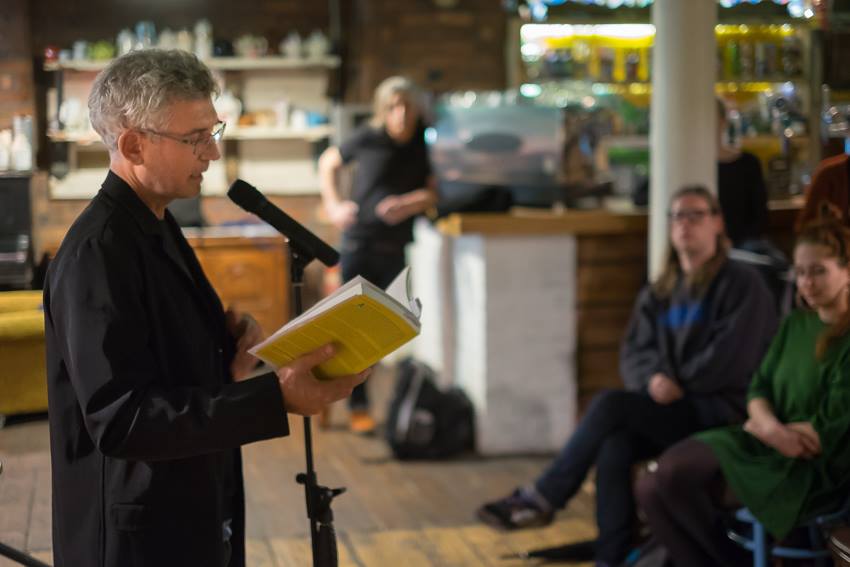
(23, 376)
(763, 549)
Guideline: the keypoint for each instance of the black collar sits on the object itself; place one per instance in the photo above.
(119, 190)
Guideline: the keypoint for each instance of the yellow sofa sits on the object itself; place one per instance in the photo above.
(23, 378)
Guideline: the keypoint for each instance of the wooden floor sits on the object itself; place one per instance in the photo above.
(411, 514)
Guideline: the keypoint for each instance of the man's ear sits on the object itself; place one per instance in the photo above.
(130, 144)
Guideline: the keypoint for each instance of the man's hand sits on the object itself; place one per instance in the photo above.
(343, 214)
(664, 390)
(248, 334)
(392, 209)
(303, 394)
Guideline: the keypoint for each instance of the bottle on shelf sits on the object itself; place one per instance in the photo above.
(5, 149)
(791, 56)
(632, 66)
(731, 60)
(606, 64)
(21, 149)
(745, 51)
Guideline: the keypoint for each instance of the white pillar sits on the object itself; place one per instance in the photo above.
(683, 122)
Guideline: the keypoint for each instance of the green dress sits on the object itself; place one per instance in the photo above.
(780, 491)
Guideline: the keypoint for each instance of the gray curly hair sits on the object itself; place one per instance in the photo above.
(136, 88)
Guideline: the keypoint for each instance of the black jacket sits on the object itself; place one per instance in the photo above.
(711, 344)
(145, 420)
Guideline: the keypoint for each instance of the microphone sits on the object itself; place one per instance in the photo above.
(304, 242)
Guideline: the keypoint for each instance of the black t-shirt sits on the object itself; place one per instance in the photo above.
(384, 168)
(743, 198)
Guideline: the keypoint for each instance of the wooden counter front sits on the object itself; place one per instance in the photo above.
(248, 271)
(526, 222)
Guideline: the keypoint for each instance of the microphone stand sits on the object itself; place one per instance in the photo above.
(319, 498)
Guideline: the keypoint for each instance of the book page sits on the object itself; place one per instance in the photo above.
(400, 290)
(357, 287)
(365, 328)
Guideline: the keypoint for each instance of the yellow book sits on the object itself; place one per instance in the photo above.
(365, 322)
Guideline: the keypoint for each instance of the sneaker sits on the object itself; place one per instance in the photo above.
(361, 422)
(515, 512)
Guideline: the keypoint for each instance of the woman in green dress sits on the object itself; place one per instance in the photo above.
(790, 461)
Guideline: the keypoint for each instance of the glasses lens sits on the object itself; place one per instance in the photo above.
(218, 131)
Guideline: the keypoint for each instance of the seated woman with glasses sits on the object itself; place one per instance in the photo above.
(790, 460)
(695, 337)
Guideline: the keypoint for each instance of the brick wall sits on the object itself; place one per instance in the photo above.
(441, 49)
(16, 77)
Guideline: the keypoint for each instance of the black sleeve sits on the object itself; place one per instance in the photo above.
(102, 330)
(349, 149)
(738, 336)
(641, 353)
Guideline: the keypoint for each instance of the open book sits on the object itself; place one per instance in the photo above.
(365, 322)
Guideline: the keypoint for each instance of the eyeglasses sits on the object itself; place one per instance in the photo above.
(691, 216)
(199, 143)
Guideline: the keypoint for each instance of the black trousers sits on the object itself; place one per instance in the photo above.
(683, 500)
(379, 262)
(618, 430)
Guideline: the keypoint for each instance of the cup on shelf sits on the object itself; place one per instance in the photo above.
(229, 109)
(317, 45)
(281, 112)
(251, 46)
(185, 40)
(167, 39)
(81, 50)
(124, 42)
(298, 119)
(145, 34)
(203, 39)
(291, 46)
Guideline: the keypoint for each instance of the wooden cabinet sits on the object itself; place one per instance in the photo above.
(249, 272)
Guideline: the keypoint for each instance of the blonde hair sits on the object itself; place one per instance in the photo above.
(702, 277)
(385, 91)
(829, 232)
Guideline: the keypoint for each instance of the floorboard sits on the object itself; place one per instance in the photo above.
(393, 513)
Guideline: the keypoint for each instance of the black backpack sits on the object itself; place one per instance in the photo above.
(424, 422)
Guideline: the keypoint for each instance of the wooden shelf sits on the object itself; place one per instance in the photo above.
(80, 138)
(220, 63)
(310, 134)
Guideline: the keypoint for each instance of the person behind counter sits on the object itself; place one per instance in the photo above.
(392, 184)
(147, 376)
(740, 189)
(790, 461)
(694, 339)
